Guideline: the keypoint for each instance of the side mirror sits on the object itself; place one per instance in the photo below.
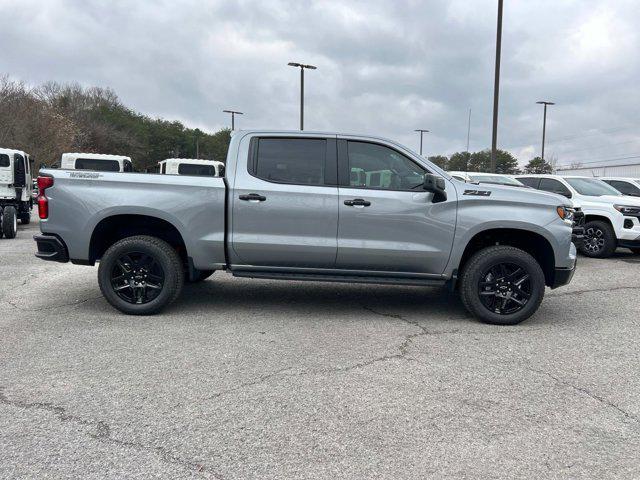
(436, 185)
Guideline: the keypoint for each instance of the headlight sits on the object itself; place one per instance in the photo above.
(627, 210)
(566, 213)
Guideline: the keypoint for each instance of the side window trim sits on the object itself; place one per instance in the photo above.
(330, 160)
(343, 164)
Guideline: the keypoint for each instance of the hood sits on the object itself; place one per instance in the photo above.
(515, 194)
(610, 200)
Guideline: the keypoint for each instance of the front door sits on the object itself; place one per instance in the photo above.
(387, 221)
(285, 204)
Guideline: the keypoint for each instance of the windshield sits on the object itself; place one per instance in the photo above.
(592, 187)
(495, 179)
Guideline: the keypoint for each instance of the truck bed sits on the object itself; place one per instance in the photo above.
(80, 200)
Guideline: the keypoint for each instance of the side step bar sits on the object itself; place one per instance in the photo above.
(419, 282)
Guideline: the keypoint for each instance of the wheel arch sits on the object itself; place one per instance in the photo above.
(536, 244)
(116, 227)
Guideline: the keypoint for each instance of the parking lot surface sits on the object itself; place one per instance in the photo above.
(253, 379)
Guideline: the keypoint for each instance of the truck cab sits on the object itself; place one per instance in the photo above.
(96, 162)
(16, 186)
(191, 166)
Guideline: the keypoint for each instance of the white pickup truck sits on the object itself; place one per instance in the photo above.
(612, 219)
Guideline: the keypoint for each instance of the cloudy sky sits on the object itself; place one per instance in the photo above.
(384, 67)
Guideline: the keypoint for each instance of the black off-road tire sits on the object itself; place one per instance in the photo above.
(601, 230)
(472, 275)
(25, 218)
(199, 276)
(163, 253)
(9, 222)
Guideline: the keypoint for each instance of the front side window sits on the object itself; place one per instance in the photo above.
(198, 170)
(379, 167)
(554, 186)
(97, 165)
(127, 166)
(4, 160)
(626, 188)
(297, 161)
(592, 187)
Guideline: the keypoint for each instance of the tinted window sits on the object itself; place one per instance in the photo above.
(4, 160)
(554, 186)
(127, 166)
(591, 187)
(96, 164)
(529, 181)
(380, 167)
(299, 161)
(624, 187)
(199, 170)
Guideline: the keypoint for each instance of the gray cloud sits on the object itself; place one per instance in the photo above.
(384, 67)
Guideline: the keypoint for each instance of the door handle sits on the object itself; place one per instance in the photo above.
(357, 202)
(253, 197)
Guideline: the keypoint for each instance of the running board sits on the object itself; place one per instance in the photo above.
(418, 282)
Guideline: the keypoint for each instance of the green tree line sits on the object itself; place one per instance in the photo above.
(51, 119)
(480, 161)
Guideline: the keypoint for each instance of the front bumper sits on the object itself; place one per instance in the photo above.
(562, 276)
(51, 248)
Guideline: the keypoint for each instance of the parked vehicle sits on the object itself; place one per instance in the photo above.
(612, 220)
(98, 162)
(15, 190)
(482, 177)
(191, 166)
(311, 206)
(626, 186)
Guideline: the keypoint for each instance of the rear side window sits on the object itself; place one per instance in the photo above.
(298, 161)
(624, 187)
(198, 170)
(530, 181)
(4, 160)
(554, 186)
(99, 165)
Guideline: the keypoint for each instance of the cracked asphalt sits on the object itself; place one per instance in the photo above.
(252, 379)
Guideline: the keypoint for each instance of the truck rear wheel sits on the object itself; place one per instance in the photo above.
(9, 222)
(140, 275)
(599, 240)
(502, 285)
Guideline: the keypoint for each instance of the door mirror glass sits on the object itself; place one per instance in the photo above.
(436, 185)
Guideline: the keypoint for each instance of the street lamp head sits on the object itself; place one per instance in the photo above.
(544, 102)
(421, 130)
(301, 65)
(233, 111)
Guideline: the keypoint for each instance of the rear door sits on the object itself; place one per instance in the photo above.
(6, 176)
(387, 221)
(285, 203)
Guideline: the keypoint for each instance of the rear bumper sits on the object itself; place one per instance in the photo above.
(51, 248)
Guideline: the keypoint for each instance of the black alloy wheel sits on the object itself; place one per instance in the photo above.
(594, 240)
(137, 277)
(504, 288)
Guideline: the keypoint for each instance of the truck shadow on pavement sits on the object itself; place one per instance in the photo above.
(327, 299)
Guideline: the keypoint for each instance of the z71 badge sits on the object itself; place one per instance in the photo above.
(477, 193)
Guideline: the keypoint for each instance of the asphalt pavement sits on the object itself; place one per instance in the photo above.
(256, 379)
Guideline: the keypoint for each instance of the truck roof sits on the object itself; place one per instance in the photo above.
(11, 150)
(196, 161)
(97, 156)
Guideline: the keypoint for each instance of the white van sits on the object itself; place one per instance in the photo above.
(191, 166)
(96, 162)
(16, 186)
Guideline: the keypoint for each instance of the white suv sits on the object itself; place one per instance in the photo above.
(611, 219)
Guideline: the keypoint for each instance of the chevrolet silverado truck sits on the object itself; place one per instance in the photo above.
(310, 206)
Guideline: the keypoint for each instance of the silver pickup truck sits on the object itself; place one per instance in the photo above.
(310, 206)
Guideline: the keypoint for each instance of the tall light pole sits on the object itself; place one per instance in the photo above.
(544, 121)
(468, 135)
(302, 67)
(233, 117)
(422, 131)
(496, 90)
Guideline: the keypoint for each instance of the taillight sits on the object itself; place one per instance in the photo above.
(43, 201)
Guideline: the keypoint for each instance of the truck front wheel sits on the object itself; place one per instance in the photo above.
(502, 285)
(599, 240)
(140, 275)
